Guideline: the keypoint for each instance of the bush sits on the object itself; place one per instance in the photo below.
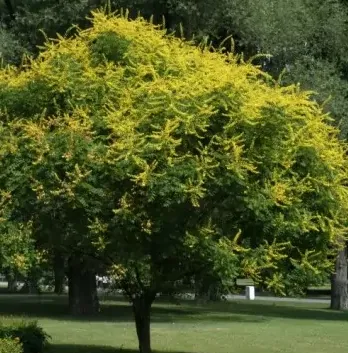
(28, 333)
(9, 345)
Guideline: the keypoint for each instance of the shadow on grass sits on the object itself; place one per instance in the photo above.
(71, 348)
(118, 310)
(56, 307)
(296, 311)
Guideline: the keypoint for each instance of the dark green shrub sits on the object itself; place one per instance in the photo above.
(9, 345)
(30, 335)
(110, 46)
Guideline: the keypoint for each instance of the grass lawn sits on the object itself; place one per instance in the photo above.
(235, 327)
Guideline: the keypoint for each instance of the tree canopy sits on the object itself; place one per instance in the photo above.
(165, 160)
(307, 39)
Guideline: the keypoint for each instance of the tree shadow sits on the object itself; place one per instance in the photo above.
(117, 310)
(72, 348)
(113, 310)
(288, 310)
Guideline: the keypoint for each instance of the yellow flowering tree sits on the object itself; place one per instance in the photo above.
(163, 160)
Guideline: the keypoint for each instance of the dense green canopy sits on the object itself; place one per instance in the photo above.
(169, 160)
(151, 149)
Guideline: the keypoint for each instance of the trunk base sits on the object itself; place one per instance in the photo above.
(142, 313)
(83, 296)
(339, 283)
(30, 287)
(59, 274)
(11, 283)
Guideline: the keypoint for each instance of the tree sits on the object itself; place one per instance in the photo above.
(339, 283)
(59, 272)
(18, 256)
(161, 161)
(25, 24)
(306, 38)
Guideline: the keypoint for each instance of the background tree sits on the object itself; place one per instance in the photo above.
(19, 257)
(24, 24)
(339, 285)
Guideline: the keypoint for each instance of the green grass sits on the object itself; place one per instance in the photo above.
(236, 327)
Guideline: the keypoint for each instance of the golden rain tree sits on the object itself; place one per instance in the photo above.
(165, 160)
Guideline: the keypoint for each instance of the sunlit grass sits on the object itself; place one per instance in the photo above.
(235, 327)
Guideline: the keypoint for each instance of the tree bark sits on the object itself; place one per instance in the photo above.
(339, 290)
(214, 292)
(207, 289)
(31, 284)
(11, 283)
(59, 273)
(201, 292)
(142, 316)
(83, 296)
(30, 287)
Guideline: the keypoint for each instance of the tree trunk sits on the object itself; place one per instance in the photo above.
(31, 284)
(215, 292)
(201, 293)
(339, 290)
(59, 273)
(142, 313)
(11, 283)
(207, 289)
(83, 296)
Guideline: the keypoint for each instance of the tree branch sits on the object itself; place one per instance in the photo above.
(106, 260)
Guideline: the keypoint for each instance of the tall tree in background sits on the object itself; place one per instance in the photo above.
(25, 23)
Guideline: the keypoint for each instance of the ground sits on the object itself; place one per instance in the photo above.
(234, 327)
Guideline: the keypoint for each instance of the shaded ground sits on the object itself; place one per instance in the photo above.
(71, 348)
(116, 309)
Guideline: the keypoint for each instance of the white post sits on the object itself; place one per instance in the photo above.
(250, 292)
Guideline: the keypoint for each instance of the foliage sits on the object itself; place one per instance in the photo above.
(10, 346)
(291, 29)
(26, 335)
(28, 23)
(293, 32)
(330, 85)
(308, 38)
(19, 254)
(170, 160)
(11, 49)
